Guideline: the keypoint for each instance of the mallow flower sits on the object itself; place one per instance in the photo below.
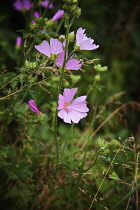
(58, 15)
(55, 47)
(32, 105)
(72, 110)
(22, 4)
(47, 4)
(83, 42)
(71, 64)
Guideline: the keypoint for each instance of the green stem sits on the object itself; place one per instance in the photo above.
(71, 164)
(71, 54)
(58, 91)
(84, 158)
(59, 26)
(45, 11)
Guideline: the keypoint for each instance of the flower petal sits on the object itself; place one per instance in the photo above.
(60, 59)
(79, 100)
(61, 102)
(83, 42)
(65, 116)
(56, 46)
(69, 94)
(79, 108)
(73, 64)
(87, 44)
(44, 48)
(47, 4)
(80, 36)
(76, 116)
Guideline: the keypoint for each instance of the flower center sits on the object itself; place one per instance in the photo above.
(65, 107)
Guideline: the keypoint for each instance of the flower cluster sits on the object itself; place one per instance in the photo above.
(70, 109)
(56, 48)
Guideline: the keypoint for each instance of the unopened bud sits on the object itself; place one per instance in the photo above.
(65, 7)
(73, 8)
(61, 38)
(77, 13)
(76, 48)
(71, 36)
(97, 77)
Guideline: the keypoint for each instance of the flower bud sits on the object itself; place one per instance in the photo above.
(18, 42)
(76, 48)
(97, 77)
(77, 13)
(61, 38)
(73, 8)
(65, 7)
(71, 36)
(32, 105)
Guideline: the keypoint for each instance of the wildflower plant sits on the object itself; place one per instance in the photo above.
(51, 145)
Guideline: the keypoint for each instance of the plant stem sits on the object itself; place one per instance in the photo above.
(58, 91)
(59, 26)
(84, 158)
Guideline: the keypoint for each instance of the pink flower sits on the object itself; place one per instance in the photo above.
(37, 15)
(58, 15)
(47, 4)
(32, 105)
(23, 4)
(72, 64)
(83, 42)
(18, 41)
(71, 110)
(55, 47)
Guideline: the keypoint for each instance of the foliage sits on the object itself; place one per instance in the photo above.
(44, 162)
